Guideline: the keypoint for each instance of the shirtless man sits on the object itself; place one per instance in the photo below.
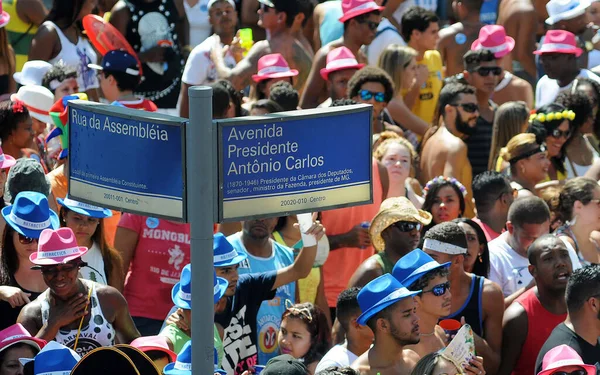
(444, 153)
(361, 19)
(516, 16)
(395, 325)
(475, 300)
(509, 87)
(277, 17)
(456, 39)
(418, 271)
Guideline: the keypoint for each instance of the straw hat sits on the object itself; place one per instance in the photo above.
(393, 210)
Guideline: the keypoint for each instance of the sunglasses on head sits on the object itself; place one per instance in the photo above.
(367, 95)
(407, 226)
(439, 290)
(370, 24)
(557, 133)
(24, 240)
(576, 372)
(485, 71)
(467, 107)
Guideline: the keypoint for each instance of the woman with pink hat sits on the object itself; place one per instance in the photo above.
(17, 343)
(80, 314)
(271, 68)
(564, 360)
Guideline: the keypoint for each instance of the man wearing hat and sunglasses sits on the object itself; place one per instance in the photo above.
(395, 231)
(475, 300)
(361, 19)
(277, 18)
(388, 308)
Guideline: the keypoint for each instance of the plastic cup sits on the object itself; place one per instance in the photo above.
(258, 369)
(450, 326)
(305, 221)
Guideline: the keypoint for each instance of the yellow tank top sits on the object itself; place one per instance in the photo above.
(20, 33)
(307, 287)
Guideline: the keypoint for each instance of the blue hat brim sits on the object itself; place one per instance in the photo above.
(31, 233)
(177, 300)
(412, 278)
(232, 262)
(222, 285)
(95, 214)
(368, 314)
(171, 370)
(220, 371)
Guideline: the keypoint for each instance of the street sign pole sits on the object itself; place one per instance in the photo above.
(201, 180)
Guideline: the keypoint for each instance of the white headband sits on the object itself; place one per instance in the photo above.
(443, 247)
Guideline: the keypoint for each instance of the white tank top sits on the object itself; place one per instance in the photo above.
(95, 268)
(99, 332)
(197, 17)
(77, 56)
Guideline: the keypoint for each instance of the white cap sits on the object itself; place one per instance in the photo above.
(211, 2)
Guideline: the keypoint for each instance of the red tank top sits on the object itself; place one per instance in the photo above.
(539, 321)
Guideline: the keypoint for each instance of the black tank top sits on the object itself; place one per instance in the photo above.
(9, 315)
(472, 309)
(152, 24)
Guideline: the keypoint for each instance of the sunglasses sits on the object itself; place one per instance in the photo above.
(468, 107)
(24, 240)
(485, 71)
(407, 226)
(439, 290)
(53, 271)
(367, 95)
(370, 24)
(557, 133)
(576, 372)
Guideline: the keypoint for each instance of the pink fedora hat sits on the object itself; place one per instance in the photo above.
(6, 161)
(494, 39)
(17, 334)
(354, 8)
(561, 356)
(273, 66)
(57, 247)
(340, 59)
(559, 41)
(159, 343)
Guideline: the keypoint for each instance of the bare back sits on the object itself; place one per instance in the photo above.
(455, 41)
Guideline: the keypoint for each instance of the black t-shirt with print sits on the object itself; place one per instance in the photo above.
(563, 335)
(239, 320)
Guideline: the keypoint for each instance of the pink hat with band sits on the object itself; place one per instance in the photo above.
(57, 247)
(559, 41)
(273, 66)
(562, 356)
(494, 39)
(6, 161)
(354, 8)
(17, 334)
(340, 58)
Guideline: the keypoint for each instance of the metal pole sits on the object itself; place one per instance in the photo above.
(200, 203)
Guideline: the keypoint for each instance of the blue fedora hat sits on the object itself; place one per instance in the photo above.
(53, 359)
(225, 254)
(182, 291)
(414, 265)
(379, 294)
(30, 214)
(84, 208)
(183, 364)
(220, 286)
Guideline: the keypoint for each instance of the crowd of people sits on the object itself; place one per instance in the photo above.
(486, 203)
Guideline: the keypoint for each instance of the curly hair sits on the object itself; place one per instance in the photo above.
(11, 115)
(579, 103)
(316, 324)
(422, 282)
(371, 74)
(576, 189)
(595, 86)
(59, 72)
(543, 129)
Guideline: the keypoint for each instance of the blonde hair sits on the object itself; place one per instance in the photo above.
(517, 146)
(508, 122)
(383, 147)
(394, 59)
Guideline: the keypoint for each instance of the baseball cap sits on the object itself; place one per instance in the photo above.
(118, 61)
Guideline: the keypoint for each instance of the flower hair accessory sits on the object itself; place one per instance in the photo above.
(18, 106)
(441, 180)
(543, 117)
(289, 306)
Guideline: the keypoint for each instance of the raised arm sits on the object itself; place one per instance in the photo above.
(239, 76)
(315, 85)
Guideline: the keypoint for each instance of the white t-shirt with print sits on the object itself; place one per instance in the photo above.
(548, 89)
(199, 68)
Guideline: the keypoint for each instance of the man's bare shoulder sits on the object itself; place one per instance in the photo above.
(411, 357)
(519, 83)
(516, 9)
(361, 364)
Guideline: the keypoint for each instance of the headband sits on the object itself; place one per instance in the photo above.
(441, 180)
(538, 149)
(443, 247)
(543, 117)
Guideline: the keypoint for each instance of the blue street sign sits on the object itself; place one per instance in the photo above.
(128, 160)
(298, 161)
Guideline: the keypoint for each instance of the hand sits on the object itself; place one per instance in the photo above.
(235, 48)
(14, 296)
(475, 366)
(422, 75)
(70, 311)
(154, 54)
(177, 320)
(358, 237)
